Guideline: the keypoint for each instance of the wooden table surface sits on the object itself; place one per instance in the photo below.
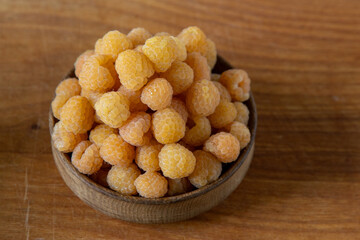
(304, 61)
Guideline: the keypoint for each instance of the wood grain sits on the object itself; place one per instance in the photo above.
(304, 61)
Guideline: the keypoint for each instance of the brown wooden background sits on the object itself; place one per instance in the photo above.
(304, 61)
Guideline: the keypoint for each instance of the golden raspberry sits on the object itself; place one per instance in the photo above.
(224, 93)
(179, 186)
(151, 185)
(135, 127)
(57, 104)
(69, 87)
(77, 115)
(86, 158)
(161, 50)
(238, 84)
(210, 53)
(138, 36)
(100, 177)
(199, 133)
(194, 40)
(181, 52)
(157, 94)
(113, 43)
(134, 69)
(180, 76)
(100, 133)
(134, 98)
(199, 65)
(207, 170)
(224, 146)
(122, 179)
(81, 60)
(241, 132)
(65, 141)
(168, 126)
(202, 98)
(113, 109)
(176, 161)
(242, 113)
(147, 157)
(116, 151)
(91, 96)
(224, 114)
(179, 106)
(215, 77)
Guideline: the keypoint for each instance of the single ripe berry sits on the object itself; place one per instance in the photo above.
(147, 156)
(180, 76)
(224, 93)
(86, 158)
(194, 40)
(161, 50)
(77, 115)
(81, 60)
(138, 36)
(134, 129)
(179, 186)
(122, 179)
(91, 96)
(199, 65)
(242, 113)
(100, 177)
(151, 185)
(176, 161)
(157, 94)
(215, 77)
(181, 52)
(179, 106)
(224, 114)
(113, 43)
(134, 69)
(116, 151)
(210, 53)
(65, 141)
(134, 98)
(69, 87)
(202, 98)
(113, 109)
(100, 133)
(224, 146)
(168, 126)
(199, 133)
(207, 170)
(241, 132)
(238, 84)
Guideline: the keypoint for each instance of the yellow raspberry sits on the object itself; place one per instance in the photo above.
(176, 161)
(81, 60)
(161, 50)
(198, 134)
(151, 185)
(134, 98)
(113, 43)
(69, 87)
(179, 106)
(86, 158)
(122, 179)
(65, 141)
(157, 94)
(57, 104)
(207, 170)
(224, 93)
(194, 40)
(168, 126)
(179, 186)
(215, 77)
(147, 157)
(224, 114)
(77, 115)
(135, 127)
(199, 65)
(241, 132)
(224, 146)
(210, 53)
(100, 133)
(202, 98)
(100, 177)
(113, 109)
(238, 84)
(134, 69)
(242, 113)
(116, 151)
(138, 36)
(181, 52)
(180, 76)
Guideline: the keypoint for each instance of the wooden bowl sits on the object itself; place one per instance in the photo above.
(166, 209)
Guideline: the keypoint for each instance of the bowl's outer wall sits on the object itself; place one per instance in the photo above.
(146, 212)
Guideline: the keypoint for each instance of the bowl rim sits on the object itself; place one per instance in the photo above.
(167, 199)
